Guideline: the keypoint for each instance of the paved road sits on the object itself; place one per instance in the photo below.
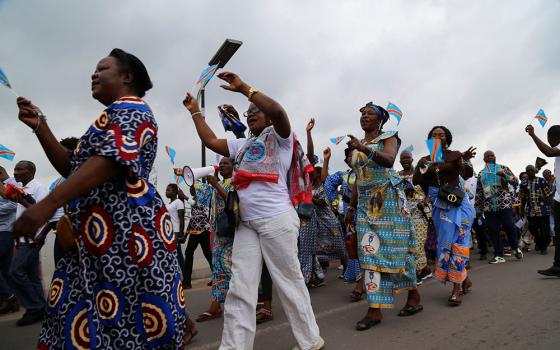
(511, 307)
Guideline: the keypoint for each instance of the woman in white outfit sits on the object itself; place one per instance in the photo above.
(264, 165)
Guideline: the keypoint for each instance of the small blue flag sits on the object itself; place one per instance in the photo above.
(434, 147)
(395, 111)
(171, 153)
(6, 153)
(541, 117)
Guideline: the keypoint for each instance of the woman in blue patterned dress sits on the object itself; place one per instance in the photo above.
(222, 244)
(121, 288)
(386, 237)
(346, 179)
(452, 223)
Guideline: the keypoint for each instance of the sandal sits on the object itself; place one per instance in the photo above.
(356, 296)
(207, 316)
(366, 323)
(454, 300)
(191, 332)
(409, 310)
(466, 287)
(264, 315)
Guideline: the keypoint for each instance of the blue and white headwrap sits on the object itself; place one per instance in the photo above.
(380, 111)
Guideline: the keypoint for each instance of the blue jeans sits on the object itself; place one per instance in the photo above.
(6, 253)
(24, 275)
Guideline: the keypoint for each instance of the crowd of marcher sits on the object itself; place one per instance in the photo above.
(272, 216)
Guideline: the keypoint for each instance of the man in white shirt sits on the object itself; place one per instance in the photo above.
(176, 210)
(24, 270)
(551, 150)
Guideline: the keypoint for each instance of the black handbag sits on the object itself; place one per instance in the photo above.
(231, 211)
(450, 194)
(305, 210)
(224, 228)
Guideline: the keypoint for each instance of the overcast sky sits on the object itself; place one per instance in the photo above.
(481, 68)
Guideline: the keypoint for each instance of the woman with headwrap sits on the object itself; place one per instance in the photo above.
(121, 288)
(452, 217)
(386, 237)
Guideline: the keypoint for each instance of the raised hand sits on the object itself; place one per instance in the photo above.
(310, 124)
(234, 83)
(470, 153)
(28, 112)
(191, 103)
(327, 153)
(529, 129)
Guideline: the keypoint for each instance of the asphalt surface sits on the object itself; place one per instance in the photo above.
(510, 307)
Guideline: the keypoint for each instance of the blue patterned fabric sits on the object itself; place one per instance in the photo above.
(122, 288)
(386, 236)
(221, 248)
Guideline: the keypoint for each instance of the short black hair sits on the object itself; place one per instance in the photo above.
(29, 165)
(173, 187)
(70, 143)
(448, 136)
(554, 131)
(131, 64)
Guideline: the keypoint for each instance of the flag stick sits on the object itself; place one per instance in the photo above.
(13, 92)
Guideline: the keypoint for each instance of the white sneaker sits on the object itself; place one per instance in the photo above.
(497, 260)
(318, 346)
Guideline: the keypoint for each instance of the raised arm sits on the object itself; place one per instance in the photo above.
(325, 168)
(265, 104)
(541, 145)
(57, 154)
(92, 174)
(310, 147)
(206, 134)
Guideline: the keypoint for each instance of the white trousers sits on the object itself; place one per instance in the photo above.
(273, 239)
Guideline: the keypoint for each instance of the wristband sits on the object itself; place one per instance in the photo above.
(195, 113)
(40, 117)
(252, 91)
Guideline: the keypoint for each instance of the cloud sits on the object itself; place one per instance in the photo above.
(482, 69)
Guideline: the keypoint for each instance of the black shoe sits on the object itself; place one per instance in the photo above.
(518, 254)
(209, 284)
(554, 271)
(31, 317)
(10, 305)
(424, 274)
